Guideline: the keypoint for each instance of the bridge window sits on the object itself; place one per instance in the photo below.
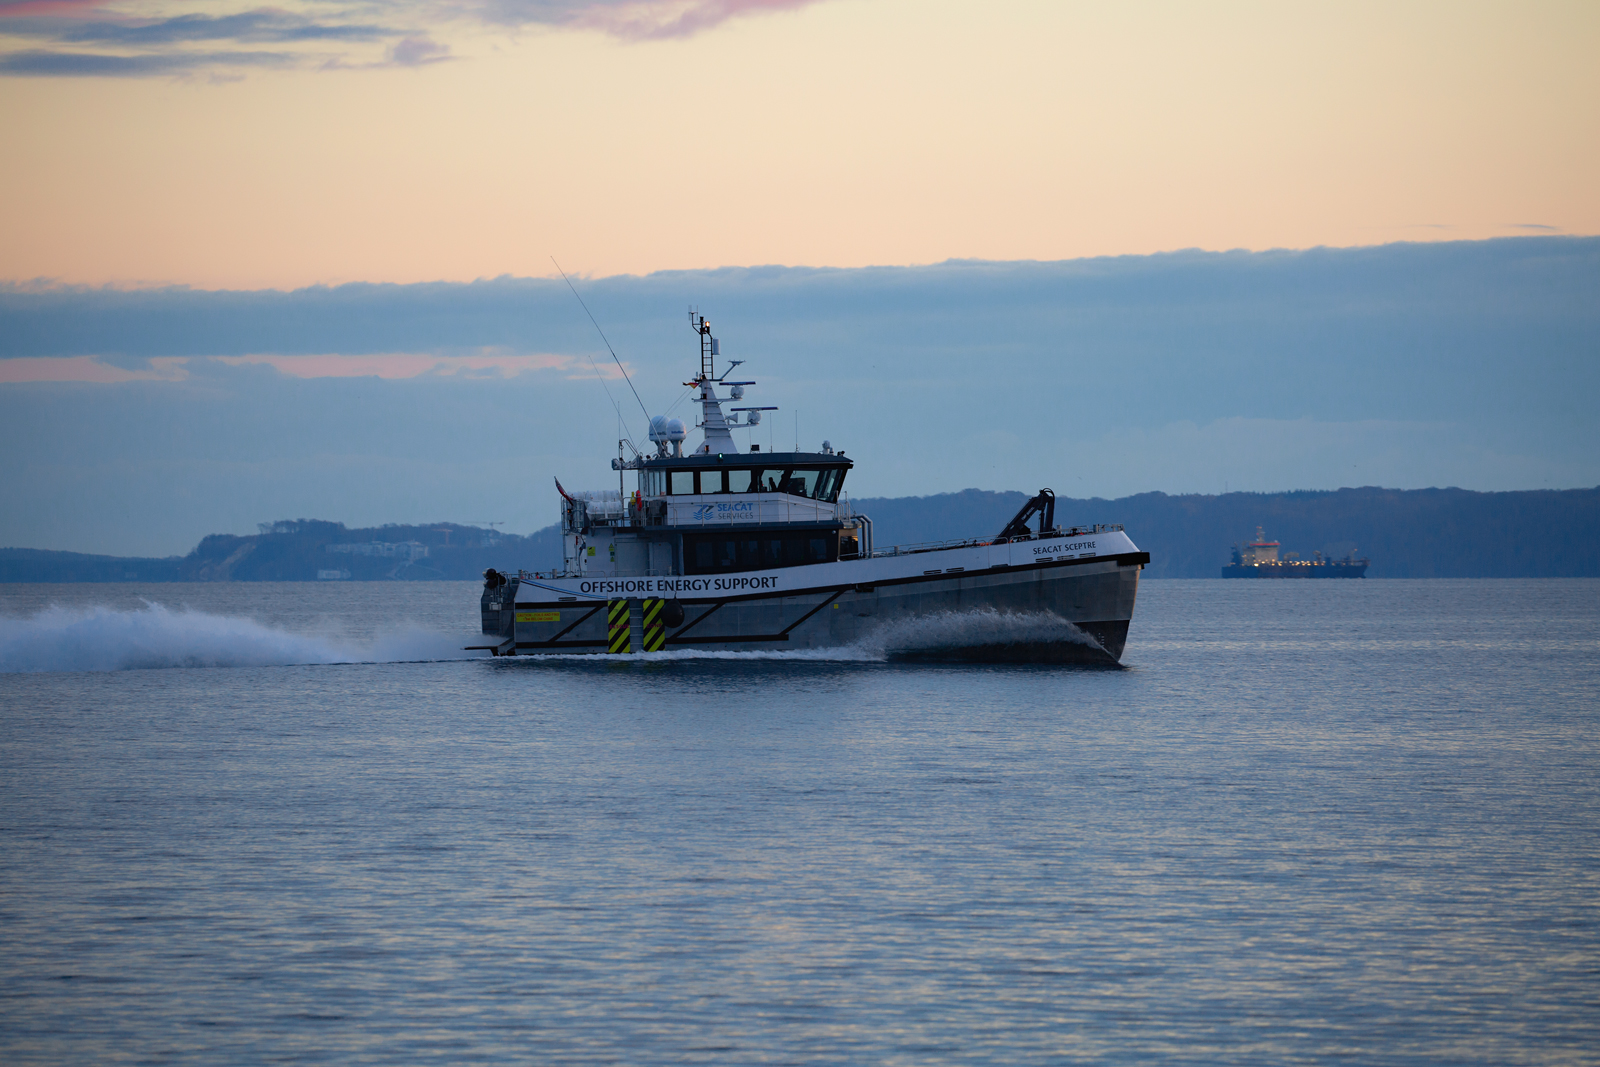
(821, 485)
(801, 482)
(815, 484)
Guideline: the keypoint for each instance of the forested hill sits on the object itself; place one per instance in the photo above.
(1408, 533)
(1420, 533)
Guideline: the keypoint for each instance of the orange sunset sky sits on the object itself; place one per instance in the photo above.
(419, 142)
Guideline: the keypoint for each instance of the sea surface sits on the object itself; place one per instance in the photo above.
(1351, 822)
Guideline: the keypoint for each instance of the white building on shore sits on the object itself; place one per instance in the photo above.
(404, 550)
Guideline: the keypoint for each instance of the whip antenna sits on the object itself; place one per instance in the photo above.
(602, 334)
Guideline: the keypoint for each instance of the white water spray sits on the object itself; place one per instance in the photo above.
(108, 639)
(979, 630)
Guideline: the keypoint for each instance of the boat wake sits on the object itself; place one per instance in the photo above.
(109, 639)
(989, 636)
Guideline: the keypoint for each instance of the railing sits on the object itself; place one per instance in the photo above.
(929, 546)
(864, 530)
(774, 508)
(978, 542)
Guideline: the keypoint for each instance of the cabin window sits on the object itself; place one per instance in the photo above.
(823, 484)
(803, 483)
(828, 484)
(794, 552)
(814, 484)
(710, 554)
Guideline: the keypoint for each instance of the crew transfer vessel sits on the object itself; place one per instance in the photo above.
(730, 550)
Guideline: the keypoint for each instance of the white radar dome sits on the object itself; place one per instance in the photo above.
(753, 418)
(658, 428)
(738, 392)
(675, 430)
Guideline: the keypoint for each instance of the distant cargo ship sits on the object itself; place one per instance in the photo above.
(1259, 559)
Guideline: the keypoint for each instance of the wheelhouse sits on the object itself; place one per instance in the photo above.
(717, 509)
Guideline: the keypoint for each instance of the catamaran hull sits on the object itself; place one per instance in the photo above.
(1056, 611)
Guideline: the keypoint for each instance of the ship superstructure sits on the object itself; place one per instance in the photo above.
(719, 548)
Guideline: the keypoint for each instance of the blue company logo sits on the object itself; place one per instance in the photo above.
(725, 511)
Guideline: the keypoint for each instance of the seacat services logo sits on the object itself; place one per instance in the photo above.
(735, 511)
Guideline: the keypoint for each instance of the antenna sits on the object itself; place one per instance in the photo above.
(708, 344)
(602, 334)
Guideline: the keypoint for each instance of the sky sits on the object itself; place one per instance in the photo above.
(227, 145)
(300, 260)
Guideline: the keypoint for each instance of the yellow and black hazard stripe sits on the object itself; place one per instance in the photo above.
(617, 640)
(655, 628)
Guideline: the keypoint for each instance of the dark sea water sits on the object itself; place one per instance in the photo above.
(1310, 822)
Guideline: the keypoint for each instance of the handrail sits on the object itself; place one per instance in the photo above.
(976, 542)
